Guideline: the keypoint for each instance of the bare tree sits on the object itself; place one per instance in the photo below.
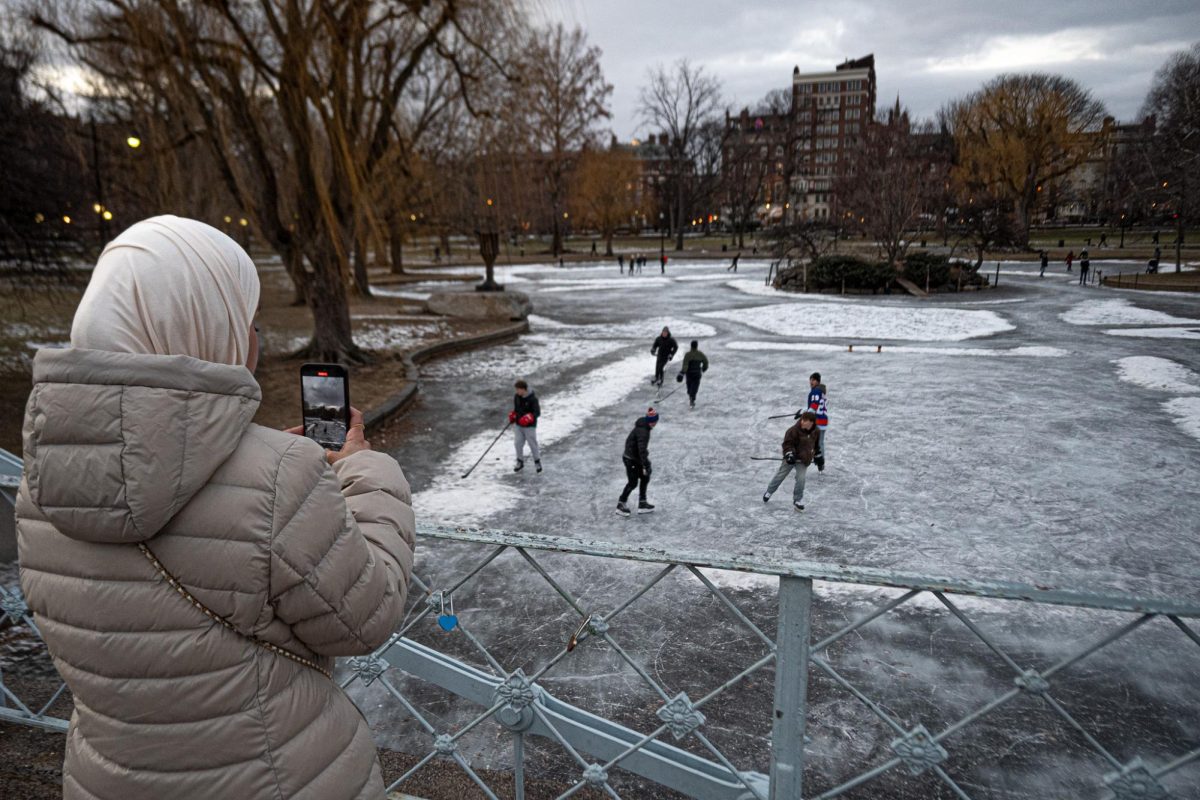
(1019, 132)
(888, 182)
(604, 187)
(680, 102)
(566, 97)
(297, 102)
(1173, 155)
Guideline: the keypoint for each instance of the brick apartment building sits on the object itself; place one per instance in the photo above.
(790, 158)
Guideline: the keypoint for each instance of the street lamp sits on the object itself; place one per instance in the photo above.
(662, 237)
(134, 142)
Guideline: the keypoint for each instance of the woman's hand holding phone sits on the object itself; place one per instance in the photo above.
(356, 439)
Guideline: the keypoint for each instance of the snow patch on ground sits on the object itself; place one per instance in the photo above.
(449, 498)
(868, 321)
(386, 291)
(685, 328)
(1156, 333)
(1028, 351)
(1119, 312)
(1161, 374)
(760, 289)
(529, 355)
(600, 283)
(1186, 411)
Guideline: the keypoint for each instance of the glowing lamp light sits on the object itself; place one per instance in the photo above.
(39, 218)
(107, 215)
(97, 207)
(243, 222)
(228, 219)
(66, 219)
(412, 217)
(565, 215)
(134, 142)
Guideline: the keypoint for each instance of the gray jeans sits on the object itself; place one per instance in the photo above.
(524, 435)
(782, 472)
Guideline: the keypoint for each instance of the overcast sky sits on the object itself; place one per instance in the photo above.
(926, 51)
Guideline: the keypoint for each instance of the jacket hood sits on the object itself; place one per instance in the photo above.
(117, 443)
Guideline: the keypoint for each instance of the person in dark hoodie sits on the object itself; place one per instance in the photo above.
(525, 413)
(663, 349)
(694, 364)
(637, 463)
(799, 449)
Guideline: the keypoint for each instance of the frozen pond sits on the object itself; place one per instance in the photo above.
(1042, 432)
(998, 434)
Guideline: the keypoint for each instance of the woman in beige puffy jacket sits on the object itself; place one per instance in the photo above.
(140, 453)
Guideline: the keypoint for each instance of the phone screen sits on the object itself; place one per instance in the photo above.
(325, 397)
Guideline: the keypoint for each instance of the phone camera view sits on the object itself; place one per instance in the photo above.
(325, 413)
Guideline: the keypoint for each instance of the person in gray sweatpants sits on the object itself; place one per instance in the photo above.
(799, 448)
(525, 413)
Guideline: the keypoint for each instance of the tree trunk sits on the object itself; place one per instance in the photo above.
(293, 263)
(362, 282)
(608, 240)
(396, 247)
(556, 243)
(333, 339)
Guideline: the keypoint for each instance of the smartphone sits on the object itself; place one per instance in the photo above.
(325, 403)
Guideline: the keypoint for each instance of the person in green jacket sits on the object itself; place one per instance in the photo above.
(694, 364)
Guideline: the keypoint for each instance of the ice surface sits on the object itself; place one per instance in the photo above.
(1028, 351)
(1156, 333)
(454, 500)
(1119, 312)
(866, 321)
(681, 328)
(1186, 411)
(1162, 374)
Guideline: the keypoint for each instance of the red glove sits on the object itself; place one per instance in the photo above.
(526, 420)
(512, 416)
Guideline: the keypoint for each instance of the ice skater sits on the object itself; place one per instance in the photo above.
(621, 264)
(694, 365)
(733, 264)
(799, 450)
(818, 405)
(637, 463)
(1045, 263)
(1085, 265)
(525, 413)
(664, 349)
(1070, 259)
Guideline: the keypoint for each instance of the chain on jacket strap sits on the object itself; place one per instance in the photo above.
(174, 583)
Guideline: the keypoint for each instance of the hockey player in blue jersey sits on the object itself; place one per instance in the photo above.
(817, 405)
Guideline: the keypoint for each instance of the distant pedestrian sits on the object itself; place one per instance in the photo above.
(818, 405)
(663, 349)
(641, 262)
(663, 264)
(525, 413)
(1084, 265)
(1152, 267)
(437, 253)
(693, 366)
(1070, 259)
(1045, 262)
(1104, 240)
(593, 247)
(733, 264)
(636, 458)
(561, 265)
(621, 263)
(799, 450)
(1154, 238)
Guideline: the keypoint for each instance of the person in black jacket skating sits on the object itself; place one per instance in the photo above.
(525, 413)
(694, 365)
(663, 349)
(637, 463)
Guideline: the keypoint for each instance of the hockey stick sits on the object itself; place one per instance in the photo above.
(764, 458)
(489, 449)
(668, 394)
(781, 416)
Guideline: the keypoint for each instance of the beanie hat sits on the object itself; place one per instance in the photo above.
(651, 415)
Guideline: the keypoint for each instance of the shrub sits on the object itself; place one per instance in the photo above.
(938, 266)
(834, 272)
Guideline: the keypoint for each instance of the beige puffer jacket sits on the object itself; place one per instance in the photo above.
(121, 449)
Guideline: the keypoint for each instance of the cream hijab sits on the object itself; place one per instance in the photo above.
(170, 286)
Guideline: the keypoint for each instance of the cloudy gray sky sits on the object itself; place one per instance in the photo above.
(926, 51)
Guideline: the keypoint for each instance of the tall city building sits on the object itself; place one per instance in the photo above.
(830, 112)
